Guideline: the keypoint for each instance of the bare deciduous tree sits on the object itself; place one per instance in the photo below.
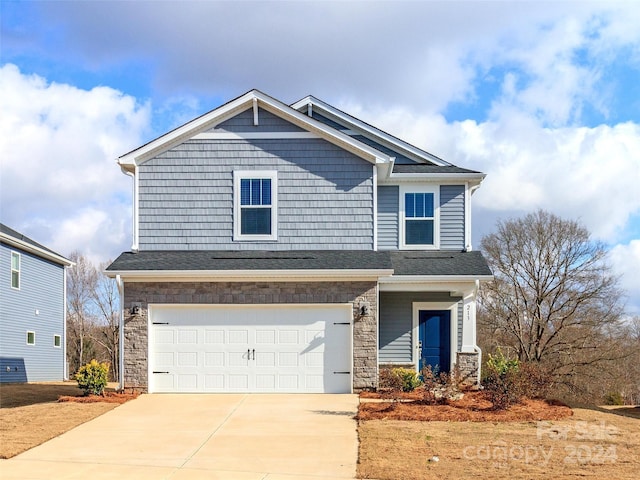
(81, 283)
(554, 298)
(107, 331)
(92, 315)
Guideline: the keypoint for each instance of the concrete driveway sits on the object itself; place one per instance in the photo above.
(179, 437)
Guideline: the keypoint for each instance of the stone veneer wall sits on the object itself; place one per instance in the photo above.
(365, 332)
(469, 366)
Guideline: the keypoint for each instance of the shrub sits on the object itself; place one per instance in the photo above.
(410, 380)
(534, 380)
(440, 386)
(613, 398)
(500, 380)
(92, 377)
(388, 381)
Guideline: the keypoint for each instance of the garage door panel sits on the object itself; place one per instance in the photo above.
(213, 337)
(250, 348)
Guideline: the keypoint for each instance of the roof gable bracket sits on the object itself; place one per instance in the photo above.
(255, 112)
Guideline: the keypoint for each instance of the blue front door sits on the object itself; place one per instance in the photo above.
(434, 333)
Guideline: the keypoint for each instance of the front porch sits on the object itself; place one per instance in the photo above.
(420, 328)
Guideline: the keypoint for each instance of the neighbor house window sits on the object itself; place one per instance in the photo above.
(31, 338)
(15, 270)
(255, 205)
(57, 341)
(420, 222)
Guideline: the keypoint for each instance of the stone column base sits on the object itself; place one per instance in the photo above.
(469, 367)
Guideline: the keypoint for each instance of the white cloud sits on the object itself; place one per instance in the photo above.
(625, 260)
(59, 143)
(588, 174)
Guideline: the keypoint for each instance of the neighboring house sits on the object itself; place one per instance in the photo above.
(32, 310)
(293, 248)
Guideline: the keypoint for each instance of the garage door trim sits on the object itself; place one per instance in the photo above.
(344, 310)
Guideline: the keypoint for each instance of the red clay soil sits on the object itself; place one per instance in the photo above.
(473, 407)
(108, 397)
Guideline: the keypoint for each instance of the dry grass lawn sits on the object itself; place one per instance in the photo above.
(593, 443)
(30, 414)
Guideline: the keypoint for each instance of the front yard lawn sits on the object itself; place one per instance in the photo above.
(591, 443)
(30, 414)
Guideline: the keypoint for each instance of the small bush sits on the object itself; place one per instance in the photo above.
(501, 382)
(534, 380)
(613, 398)
(409, 378)
(92, 377)
(389, 382)
(440, 386)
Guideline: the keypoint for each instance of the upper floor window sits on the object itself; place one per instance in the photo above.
(15, 270)
(255, 205)
(419, 210)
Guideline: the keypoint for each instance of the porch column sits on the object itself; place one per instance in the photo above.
(469, 322)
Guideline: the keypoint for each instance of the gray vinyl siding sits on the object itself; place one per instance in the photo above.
(396, 323)
(325, 196)
(400, 159)
(267, 122)
(452, 217)
(326, 121)
(41, 289)
(388, 206)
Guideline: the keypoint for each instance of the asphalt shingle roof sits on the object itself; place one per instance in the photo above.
(254, 260)
(403, 262)
(424, 168)
(439, 263)
(23, 238)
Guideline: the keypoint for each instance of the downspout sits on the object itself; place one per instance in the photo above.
(134, 215)
(120, 334)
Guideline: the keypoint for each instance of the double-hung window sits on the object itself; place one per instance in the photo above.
(420, 218)
(255, 205)
(15, 270)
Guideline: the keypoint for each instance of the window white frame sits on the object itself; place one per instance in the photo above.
(17, 271)
(238, 176)
(59, 341)
(30, 332)
(433, 189)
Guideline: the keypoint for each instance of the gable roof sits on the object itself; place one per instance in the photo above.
(312, 104)
(251, 99)
(16, 239)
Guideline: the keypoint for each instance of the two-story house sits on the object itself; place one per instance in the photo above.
(293, 248)
(32, 310)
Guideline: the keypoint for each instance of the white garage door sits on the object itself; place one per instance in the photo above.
(257, 348)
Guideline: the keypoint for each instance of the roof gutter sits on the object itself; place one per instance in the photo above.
(27, 247)
(243, 275)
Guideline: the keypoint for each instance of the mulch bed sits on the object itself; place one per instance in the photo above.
(473, 407)
(107, 397)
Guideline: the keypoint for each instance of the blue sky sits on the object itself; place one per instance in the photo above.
(543, 97)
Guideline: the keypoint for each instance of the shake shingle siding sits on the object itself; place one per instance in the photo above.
(267, 122)
(388, 217)
(325, 197)
(38, 306)
(452, 217)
